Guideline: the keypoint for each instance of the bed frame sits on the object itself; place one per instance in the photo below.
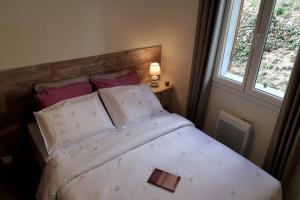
(16, 88)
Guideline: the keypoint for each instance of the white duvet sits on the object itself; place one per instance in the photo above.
(116, 165)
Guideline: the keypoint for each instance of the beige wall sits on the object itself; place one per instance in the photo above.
(36, 31)
(262, 116)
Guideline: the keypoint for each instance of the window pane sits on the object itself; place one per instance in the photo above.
(281, 47)
(240, 40)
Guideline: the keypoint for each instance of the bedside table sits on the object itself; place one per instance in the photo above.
(164, 94)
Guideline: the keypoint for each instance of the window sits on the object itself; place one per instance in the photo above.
(258, 45)
(239, 35)
(280, 49)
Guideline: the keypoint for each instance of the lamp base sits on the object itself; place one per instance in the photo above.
(154, 82)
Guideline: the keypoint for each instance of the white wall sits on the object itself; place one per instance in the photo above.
(34, 31)
(262, 117)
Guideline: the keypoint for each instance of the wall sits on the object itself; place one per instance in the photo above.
(35, 32)
(261, 115)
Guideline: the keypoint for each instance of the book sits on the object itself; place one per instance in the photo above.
(164, 180)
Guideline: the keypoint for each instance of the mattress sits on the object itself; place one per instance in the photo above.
(116, 166)
(38, 144)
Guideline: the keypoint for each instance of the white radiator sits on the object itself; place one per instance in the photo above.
(233, 132)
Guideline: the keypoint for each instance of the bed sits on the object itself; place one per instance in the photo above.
(38, 145)
(115, 163)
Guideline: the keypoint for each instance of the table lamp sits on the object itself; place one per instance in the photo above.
(154, 72)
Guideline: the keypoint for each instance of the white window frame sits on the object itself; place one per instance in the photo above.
(259, 42)
(247, 87)
(221, 51)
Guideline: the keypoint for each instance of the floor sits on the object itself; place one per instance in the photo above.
(19, 180)
(8, 187)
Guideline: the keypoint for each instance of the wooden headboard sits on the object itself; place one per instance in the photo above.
(16, 85)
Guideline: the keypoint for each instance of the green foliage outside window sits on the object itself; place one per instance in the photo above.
(281, 45)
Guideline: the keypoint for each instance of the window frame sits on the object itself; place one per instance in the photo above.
(220, 54)
(259, 40)
(247, 87)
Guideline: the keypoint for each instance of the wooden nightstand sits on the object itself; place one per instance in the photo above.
(164, 94)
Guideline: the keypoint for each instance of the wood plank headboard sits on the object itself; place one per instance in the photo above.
(16, 85)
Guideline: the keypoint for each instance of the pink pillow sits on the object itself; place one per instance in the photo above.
(128, 79)
(53, 95)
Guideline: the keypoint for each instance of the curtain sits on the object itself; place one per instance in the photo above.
(209, 22)
(284, 150)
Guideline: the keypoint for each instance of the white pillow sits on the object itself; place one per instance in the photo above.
(72, 120)
(130, 103)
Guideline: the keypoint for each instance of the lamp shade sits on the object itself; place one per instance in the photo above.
(154, 69)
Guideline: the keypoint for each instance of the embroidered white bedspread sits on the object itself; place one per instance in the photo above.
(116, 165)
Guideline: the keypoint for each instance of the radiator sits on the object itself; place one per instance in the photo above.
(233, 132)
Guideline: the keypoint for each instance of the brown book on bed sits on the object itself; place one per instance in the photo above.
(164, 179)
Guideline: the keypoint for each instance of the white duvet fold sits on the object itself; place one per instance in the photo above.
(94, 152)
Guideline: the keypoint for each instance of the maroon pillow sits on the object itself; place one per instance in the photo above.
(128, 79)
(53, 95)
